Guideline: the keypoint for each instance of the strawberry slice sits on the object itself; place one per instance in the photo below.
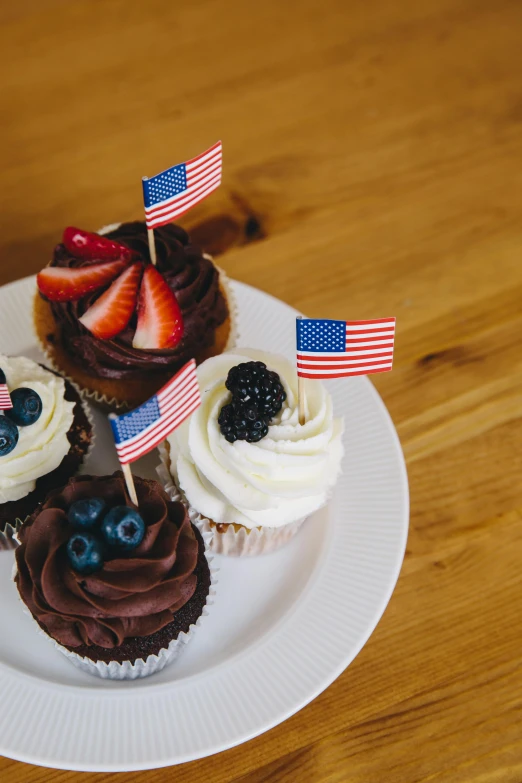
(90, 246)
(111, 313)
(160, 323)
(64, 284)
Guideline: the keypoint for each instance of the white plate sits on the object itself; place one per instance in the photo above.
(282, 628)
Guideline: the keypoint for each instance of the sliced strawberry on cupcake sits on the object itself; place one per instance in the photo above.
(90, 246)
(111, 313)
(121, 327)
(160, 323)
(67, 284)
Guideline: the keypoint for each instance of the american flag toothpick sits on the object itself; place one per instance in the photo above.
(176, 190)
(138, 432)
(5, 397)
(338, 349)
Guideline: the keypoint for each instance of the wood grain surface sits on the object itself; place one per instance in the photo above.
(373, 156)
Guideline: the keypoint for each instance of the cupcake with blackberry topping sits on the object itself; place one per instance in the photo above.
(121, 327)
(244, 462)
(118, 588)
(44, 439)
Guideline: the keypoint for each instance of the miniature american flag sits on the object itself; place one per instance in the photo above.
(5, 397)
(138, 432)
(335, 349)
(173, 192)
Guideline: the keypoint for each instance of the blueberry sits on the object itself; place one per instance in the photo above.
(27, 407)
(8, 436)
(85, 553)
(86, 513)
(123, 528)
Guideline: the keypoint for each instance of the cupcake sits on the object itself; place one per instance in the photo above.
(44, 439)
(121, 327)
(118, 588)
(244, 462)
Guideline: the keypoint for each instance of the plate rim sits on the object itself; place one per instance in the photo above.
(282, 715)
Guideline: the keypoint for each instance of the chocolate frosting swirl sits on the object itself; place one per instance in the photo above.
(195, 282)
(132, 595)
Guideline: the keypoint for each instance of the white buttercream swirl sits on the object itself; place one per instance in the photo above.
(41, 446)
(283, 477)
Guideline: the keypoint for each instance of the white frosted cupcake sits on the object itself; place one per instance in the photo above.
(44, 439)
(255, 495)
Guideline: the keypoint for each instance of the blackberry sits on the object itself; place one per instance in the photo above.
(257, 396)
(252, 382)
(240, 421)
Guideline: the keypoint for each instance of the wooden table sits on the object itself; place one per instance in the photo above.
(372, 167)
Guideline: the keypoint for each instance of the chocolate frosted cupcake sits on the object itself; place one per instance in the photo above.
(118, 588)
(120, 327)
(44, 439)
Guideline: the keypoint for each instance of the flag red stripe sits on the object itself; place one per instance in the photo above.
(165, 415)
(180, 198)
(324, 366)
(359, 340)
(204, 166)
(181, 382)
(343, 367)
(199, 175)
(189, 367)
(177, 399)
(341, 374)
(375, 321)
(377, 330)
(159, 433)
(5, 398)
(343, 357)
(181, 211)
(131, 456)
(215, 146)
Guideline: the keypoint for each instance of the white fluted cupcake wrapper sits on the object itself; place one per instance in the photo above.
(246, 542)
(133, 670)
(232, 305)
(243, 542)
(8, 537)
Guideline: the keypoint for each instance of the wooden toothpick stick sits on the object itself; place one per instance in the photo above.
(301, 399)
(131, 489)
(129, 481)
(150, 231)
(301, 394)
(152, 245)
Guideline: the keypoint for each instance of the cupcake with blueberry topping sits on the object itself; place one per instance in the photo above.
(121, 327)
(244, 462)
(118, 588)
(44, 439)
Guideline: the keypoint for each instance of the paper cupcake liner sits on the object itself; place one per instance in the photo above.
(133, 670)
(233, 335)
(9, 537)
(243, 542)
(246, 542)
(112, 403)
